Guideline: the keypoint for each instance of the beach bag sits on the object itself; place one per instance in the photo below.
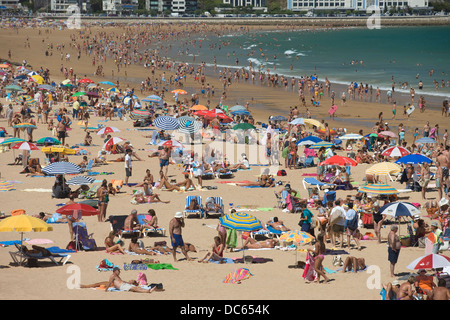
(281, 172)
(142, 279)
(105, 264)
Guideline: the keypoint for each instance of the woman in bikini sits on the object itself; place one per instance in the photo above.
(251, 243)
(318, 253)
(216, 253)
(112, 247)
(163, 182)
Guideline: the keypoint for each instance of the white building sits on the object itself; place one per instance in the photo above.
(10, 4)
(66, 6)
(360, 5)
(119, 6)
(246, 3)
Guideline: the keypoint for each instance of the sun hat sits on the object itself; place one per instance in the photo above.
(178, 215)
(443, 202)
(434, 224)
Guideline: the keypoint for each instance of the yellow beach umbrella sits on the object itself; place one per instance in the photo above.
(313, 122)
(384, 168)
(58, 149)
(67, 81)
(38, 79)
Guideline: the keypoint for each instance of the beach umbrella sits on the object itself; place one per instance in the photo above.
(222, 116)
(21, 77)
(243, 126)
(25, 146)
(278, 118)
(351, 136)
(24, 223)
(321, 144)
(179, 91)
(425, 140)
(109, 83)
(166, 123)
(313, 122)
(297, 121)
(395, 152)
(4, 65)
(49, 140)
(79, 94)
(106, 130)
(388, 134)
(378, 188)
(199, 107)
(85, 80)
(384, 168)
(297, 237)
(67, 81)
(238, 108)
(32, 73)
(240, 221)
(59, 149)
(430, 261)
(23, 125)
(61, 167)
(127, 99)
(25, 98)
(413, 158)
(38, 79)
(399, 209)
(240, 113)
(113, 141)
(171, 143)
(11, 141)
(309, 140)
(80, 180)
(152, 98)
(46, 87)
(188, 125)
(115, 90)
(13, 87)
(338, 161)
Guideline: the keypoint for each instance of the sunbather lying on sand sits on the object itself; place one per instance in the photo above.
(251, 243)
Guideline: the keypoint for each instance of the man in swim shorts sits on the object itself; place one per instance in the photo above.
(121, 285)
(176, 238)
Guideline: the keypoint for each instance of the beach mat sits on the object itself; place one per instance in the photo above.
(161, 266)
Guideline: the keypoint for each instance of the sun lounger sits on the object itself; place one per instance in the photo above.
(219, 201)
(310, 181)
(146, 231)
(20, 257)
(188, 213)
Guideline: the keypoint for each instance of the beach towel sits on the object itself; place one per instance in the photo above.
(223, 260)
(231, 238)
(161, 266)
(58, 250)
(13, 242)
(238, 276)
(309, 273)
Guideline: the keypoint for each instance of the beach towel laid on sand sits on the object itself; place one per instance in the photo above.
(237, 276)
(161, 266)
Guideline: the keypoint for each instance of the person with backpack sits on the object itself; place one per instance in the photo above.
(351, 225)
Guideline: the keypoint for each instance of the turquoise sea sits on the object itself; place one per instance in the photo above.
(405, 54)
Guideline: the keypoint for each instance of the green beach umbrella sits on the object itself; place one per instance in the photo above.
(50, 140)
(13, 87)
(244, 126)
(79, 94)
(11, 140)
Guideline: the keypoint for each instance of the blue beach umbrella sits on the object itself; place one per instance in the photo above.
(310, 140)
(240, 221)
(109, 83)
(152, 98)
(413, 159)
(399, 209)
(425, 140)
(240, 113)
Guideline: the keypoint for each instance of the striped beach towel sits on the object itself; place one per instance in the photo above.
(238, 276)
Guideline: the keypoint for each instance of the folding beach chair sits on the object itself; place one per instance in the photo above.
(89, 166)
(188, 213)
(20, 257)
(328, 196)
(309, 162)
(146, 231)
(81, 235)
(89, 194)
(117, 225)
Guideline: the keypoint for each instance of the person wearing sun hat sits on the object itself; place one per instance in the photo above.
(438, 236)
(175, 226)
(444, 212)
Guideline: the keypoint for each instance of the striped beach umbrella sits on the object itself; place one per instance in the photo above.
(11, 141)
(166, 123)
(378, 188)
(106, 130)
(80, 180)
(430, 261)
(171, 143)
(25, 98)
(188, 125)
(61, 168)
(384, 168)
(240, 221)
(321, 144)
(115, 90)
(314, 122)
(23, 125)
(413, 158)
(307, 141)
(25, 146)
(115, 140)
(13, 87)
(395, 152)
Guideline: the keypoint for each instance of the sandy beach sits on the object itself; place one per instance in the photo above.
(272, 279)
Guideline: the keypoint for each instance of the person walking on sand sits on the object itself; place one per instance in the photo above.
(318, 252)
(176, 238)
(128, 168)
(394, 246)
